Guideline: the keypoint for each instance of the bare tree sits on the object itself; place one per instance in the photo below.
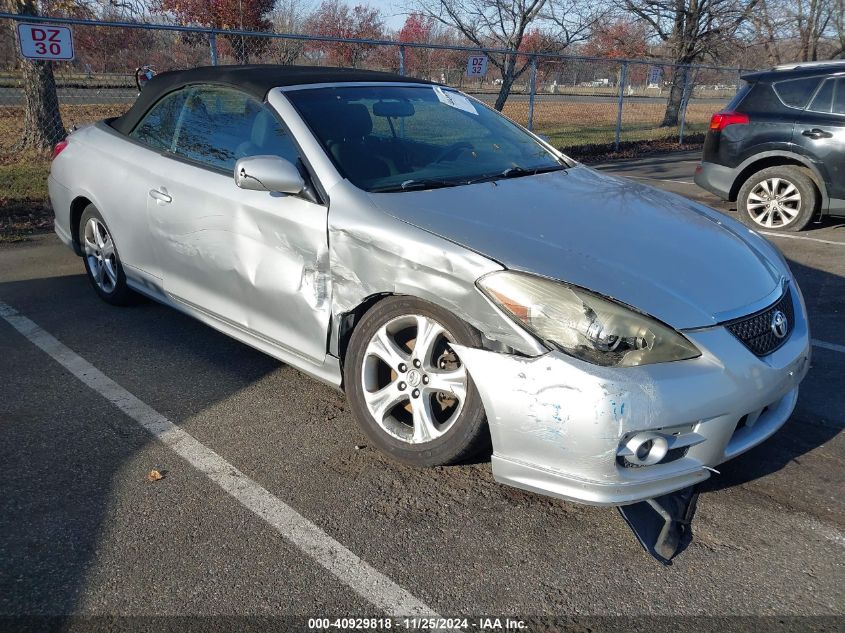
(574, 20)
(491, 24)
(797, 30)
(811, 19)
(288, 16)
(122, 8)
(767, 26)
(692, 30)
(839, 28)
(43, 126)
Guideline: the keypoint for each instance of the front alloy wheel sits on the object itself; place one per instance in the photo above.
(408, 388)
(413, 383)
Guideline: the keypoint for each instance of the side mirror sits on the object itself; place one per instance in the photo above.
(268, 173)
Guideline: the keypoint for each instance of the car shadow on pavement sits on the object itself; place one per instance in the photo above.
(835, 224)
(72, 464)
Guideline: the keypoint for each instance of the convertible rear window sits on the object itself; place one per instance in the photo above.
(214, 126)
(394, 138)
(158, 126)
(220, 125)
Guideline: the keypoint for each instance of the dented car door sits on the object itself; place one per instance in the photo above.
(256, 260)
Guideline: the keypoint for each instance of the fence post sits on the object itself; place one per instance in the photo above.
(212, 45)
(623, 79)
(532, 91)
(401, 60)
(684, 100)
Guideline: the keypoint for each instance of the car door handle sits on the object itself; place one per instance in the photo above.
(816, 133)
(160, 196)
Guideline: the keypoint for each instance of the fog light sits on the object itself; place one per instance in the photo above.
(646, 449)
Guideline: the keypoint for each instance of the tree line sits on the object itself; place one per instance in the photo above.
(745, 33)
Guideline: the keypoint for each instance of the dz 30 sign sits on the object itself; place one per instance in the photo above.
(44, 41)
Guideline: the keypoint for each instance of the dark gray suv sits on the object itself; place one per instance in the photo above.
(778, 149)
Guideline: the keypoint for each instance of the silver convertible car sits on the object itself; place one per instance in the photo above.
(460, 279)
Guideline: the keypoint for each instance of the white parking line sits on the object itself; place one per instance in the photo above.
(831, 346)
(801, 237)
(366, 581)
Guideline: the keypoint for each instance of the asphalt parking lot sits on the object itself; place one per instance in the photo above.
(272, 505)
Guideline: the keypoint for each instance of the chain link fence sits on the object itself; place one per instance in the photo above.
(570, 100)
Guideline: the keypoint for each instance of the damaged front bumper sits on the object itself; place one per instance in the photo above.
(564, 428)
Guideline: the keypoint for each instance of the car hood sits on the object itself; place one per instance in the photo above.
(674, 259)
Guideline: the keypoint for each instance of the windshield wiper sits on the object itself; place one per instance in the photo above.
(437, 183)
(424, 183)
(517, 171)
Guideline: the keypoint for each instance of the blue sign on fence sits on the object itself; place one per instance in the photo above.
(655, 73)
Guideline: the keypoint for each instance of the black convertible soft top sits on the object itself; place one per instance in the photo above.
(256, 79)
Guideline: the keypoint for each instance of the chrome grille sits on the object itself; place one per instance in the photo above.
(755, 331)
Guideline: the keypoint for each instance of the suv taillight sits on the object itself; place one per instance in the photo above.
(721, 120)
(58, 149)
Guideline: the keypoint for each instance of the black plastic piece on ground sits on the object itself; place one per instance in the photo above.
(663, 524)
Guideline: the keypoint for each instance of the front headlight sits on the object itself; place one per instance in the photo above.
(583, 324)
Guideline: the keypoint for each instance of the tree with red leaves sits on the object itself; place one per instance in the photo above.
(335, 19)
(418, 28)
(620, 39)
(241, 15)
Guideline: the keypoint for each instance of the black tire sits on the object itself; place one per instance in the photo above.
(118, 293)
(788, 176)
(468, 434)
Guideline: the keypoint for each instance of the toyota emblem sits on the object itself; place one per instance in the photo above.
(780, 324)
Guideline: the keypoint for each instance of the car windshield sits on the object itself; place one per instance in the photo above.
(400, 138)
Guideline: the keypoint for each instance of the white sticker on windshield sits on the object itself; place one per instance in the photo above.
(454, 99)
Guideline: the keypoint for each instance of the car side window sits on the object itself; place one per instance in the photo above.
(220, 125)
(795, 93)
(158, 126)
(824, 98)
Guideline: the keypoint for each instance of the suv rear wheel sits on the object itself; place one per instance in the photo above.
(781, 198)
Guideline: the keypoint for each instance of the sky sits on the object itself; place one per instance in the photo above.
(393, 10)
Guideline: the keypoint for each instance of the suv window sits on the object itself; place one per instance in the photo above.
(839, 97)
(158, 126)
(795, 93)
(830, 98)
(824, 97)
(220, 125)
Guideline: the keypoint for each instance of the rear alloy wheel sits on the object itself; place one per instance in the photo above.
(407, 386)
(782, 198)
(102, 262)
